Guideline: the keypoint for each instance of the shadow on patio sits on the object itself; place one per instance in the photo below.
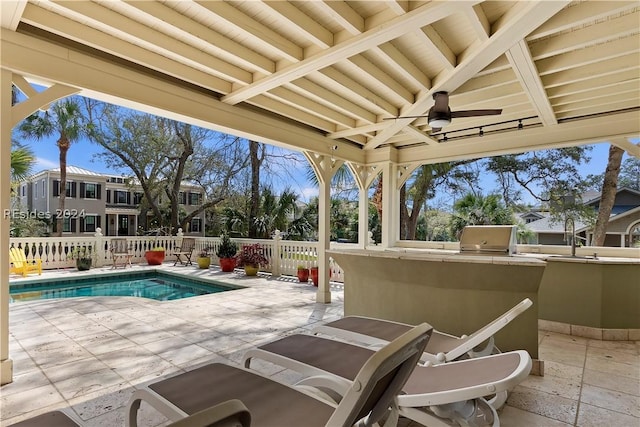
(91, 353)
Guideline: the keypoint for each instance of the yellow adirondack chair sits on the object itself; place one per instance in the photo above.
(20, 265)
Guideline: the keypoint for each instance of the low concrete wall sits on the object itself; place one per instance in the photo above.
(454, 293)
(594, 293)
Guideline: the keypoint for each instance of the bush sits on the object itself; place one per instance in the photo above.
(227, 249)
(82, 252)
(252, 255)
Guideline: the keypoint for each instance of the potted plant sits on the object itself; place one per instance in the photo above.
(251, 257)
(314, 275)
(204, 257)
(155, 256)
(226, 253)
(84, 257)
(303, 274)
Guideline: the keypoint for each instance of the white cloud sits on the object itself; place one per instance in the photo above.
(43, 164)
(308, 193)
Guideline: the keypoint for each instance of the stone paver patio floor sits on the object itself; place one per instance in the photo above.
(91, 353)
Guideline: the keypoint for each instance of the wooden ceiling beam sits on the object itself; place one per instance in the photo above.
(305, 25)
(223, 47)
(527, 73)
(411, 21)
(520, 21)
(578, 14)
(75, 31)
(328, 98)
(261, 34)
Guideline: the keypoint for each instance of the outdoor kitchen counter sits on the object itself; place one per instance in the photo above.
(454, 293)
(594, 298)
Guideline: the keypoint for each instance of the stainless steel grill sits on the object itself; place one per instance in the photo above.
(488, 240)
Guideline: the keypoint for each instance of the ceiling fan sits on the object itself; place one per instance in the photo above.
(440, 114)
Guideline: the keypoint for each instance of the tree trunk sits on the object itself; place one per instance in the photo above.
(404, 215)
(254, 206)
(376, 199)
(183, 133)
(63, 147)
(609, 190)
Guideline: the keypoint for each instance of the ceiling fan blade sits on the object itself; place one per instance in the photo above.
(434, 130)
(441, 101)
(473, 113)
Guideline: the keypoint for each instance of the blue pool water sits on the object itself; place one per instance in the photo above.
(155, 285)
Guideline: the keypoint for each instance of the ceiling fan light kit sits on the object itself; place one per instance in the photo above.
(439, 119)
(440, 114)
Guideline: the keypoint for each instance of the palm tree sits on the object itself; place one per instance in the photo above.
(22, 160)
(274, 211)
(65, 119)
(479, 210)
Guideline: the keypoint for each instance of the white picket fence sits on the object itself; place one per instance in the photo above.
(284, 255)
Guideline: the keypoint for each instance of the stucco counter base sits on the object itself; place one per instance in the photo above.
(454, 293)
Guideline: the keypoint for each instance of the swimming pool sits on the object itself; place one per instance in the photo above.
(155, 285)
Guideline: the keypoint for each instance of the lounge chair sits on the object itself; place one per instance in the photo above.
(185, 250)
(435, 394)
(271, 403)
(231, 413)
(441, 348)
(120, 250)
(20, 265)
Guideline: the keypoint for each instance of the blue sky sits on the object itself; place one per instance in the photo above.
(84, 154)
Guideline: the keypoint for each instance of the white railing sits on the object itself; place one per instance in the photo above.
(284, 256)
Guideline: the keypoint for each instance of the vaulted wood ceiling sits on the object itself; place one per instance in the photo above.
(569, 72)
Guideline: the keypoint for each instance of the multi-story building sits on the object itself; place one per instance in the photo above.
(95, 200)
(623, 229)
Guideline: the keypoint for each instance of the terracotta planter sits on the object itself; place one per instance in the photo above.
(303, 275)
(203, 262)
(227, 264)
(251, 270)
(154, 257)
(314, 275)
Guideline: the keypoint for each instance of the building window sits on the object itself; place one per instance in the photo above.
(35, 190)
(182, 198)
(194, 199)
(43, 188)
(66, 225)
(196, 225)
(90, 223)
(70, 187)
(24, 190)
(90, 191)
(120, 197)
